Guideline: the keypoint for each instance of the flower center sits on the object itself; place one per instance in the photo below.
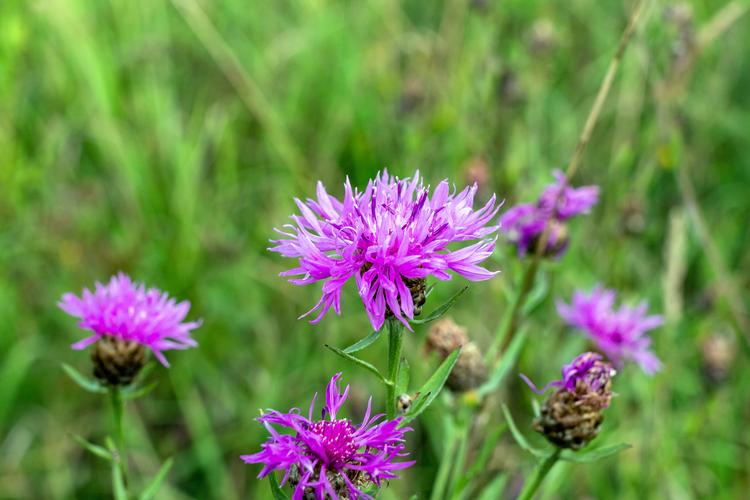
(338, 439)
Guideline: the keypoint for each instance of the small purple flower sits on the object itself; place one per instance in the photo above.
(525, 222)
(128, 311)
(587, 369)
(331, 456)
(619, 334)
(386, 237)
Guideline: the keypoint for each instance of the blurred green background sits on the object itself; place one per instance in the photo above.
(167, 139)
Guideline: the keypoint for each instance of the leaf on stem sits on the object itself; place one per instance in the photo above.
(495, 488)
(507, 362)
(440, 311)
(118, 484)
(150, 491)
(520, 439)
(365, 342)
(538, 294)
(594, 455)
(278, 494)
(84, 382)
(402, 383)
(429, 391)
(364, 364)
(135, 392)
(99, 451)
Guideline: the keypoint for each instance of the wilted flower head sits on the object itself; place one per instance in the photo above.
(525, 222)
(388, 238)
(331, 457)
(126, 311)
(572, 415)
(619, 334)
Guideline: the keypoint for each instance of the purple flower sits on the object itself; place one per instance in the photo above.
(587, 370)
(525, 222)
(620, 335)
(129, 311)
(386, 237)
(331, 456)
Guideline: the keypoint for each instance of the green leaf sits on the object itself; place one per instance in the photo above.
(99, 451)
(278, 494)
(495, 488)
(360, 362)
(402, 384)
(485, 453)
(594, 455)
(365, 342)
(437, 313)
(140, 379)
(134, 392)
(507, 362)
(85, 383)
(118, 483)
(429, 391)
(538, 294)
(520, 439)
(150, 491)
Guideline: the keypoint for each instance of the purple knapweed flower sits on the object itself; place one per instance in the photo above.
(331, 457)
(619, 334)
(588, 369)
(388, 238)
(525, 222)
(128, 311)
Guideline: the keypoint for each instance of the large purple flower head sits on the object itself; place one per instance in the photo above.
(619, 334)
(331, 457)
(525, 222)
(388, 237)
(588, 371)
(128, 311)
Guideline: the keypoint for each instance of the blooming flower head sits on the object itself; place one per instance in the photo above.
(389, 238)
(572, 415)
(587, 373)
(331, 457)
(619, 334)
(525, 222)
(128, 311)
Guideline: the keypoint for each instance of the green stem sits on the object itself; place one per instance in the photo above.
(395, 341)
(462, 440)
(441, 479)
(118, 410)
(539, 474)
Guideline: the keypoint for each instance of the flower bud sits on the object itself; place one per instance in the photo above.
(117, 361)
(470, 370)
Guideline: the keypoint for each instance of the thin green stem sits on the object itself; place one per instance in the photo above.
(444, 470)
(539, 474)
(395, 341)
(463, 428)
(118, 410)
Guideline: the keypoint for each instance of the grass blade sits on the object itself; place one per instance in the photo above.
(153, 486)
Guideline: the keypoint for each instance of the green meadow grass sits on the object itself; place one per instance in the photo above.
(167, 139)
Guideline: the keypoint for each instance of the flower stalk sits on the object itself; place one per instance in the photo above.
(540, 472)
(395, 344)
(118, 411)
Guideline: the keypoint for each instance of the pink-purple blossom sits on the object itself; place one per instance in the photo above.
(332, 455)
(588, 369)
(388, 234)
(129, 311)
(620, 334)
(524, 223)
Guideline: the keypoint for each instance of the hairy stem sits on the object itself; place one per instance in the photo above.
(395, 341)
(541, 471)
(118, 410)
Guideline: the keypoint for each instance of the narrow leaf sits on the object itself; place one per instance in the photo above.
(507, 362)
(485, 453)
(85, 383)
(360, 362)
(495, 489)
(538, 294)
(132, 392)
(118, 483)
(150, 491)
(429, 391)
(520, 439)
(365, 342)
(594, 455)
(99, 451)
(437, 313)
(278, 494)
